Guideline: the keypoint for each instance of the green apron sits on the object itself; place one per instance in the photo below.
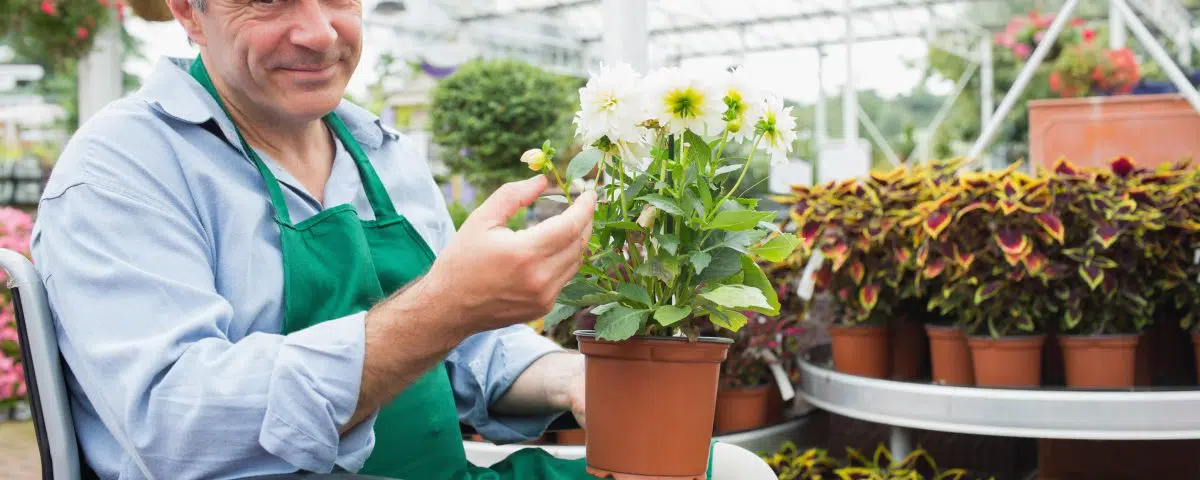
(335, 264)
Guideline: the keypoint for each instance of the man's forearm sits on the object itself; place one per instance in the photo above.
(406, 336)
(542, 388)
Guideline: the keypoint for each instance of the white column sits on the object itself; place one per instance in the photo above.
(819, 123)
(849, 93)
(1117, 34)
(987, 88)
(100, 76)
(625, 34)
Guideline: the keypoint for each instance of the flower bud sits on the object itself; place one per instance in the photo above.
(646, 219)
(733, 126)
(535, 158)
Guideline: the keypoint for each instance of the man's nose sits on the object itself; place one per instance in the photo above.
(313, 29)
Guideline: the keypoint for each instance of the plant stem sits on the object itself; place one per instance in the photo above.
(745, 168)
(566, 193)
(720, 150)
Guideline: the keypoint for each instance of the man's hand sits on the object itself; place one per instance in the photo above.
(497, 277)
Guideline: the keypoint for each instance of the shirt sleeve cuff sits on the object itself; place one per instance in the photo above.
(513, 350)
(314, 391)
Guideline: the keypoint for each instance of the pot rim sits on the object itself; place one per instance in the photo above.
(1103, 336)
(1007, 338)
(592, 334)
(938, 326)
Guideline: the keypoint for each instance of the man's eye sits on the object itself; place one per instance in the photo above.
(268, 2)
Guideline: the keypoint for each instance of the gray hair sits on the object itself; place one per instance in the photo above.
(199, 5)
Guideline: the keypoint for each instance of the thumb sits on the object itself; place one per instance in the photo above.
(505, 201)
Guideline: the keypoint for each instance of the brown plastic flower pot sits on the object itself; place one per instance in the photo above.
(650, 405)
(1093, 130)
(574, 436)
(1007, 361)
(860, 350)
(950, 356)
(907, 346)
(740, 409)
(1099, 361)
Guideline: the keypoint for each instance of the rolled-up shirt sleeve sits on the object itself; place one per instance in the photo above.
(131, 285)
(482, 369)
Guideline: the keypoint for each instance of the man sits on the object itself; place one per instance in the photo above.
(242, 270)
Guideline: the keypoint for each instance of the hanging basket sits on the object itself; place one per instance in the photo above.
(151, 10)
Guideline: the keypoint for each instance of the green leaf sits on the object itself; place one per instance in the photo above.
(668, 315)
(737, 297)
(559, 313)
(741, 241)
(725, 262)
(668, 242)
(728, 168)
(600, 309)
(698, 151)
(597, 299)
(637, 185)
(583, 163)
(737, 220)
(693, 203)
(753, 276)
(663, 268)
(663, 203)
(778, 248)
(620, 323)
(578, 288)
(700, 261)
(635, 293)
(690, 176)
(555, 198)
(622, 225)
(705, 191)
(770, 226)
(727, 319)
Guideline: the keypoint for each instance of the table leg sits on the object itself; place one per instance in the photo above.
(900, 444)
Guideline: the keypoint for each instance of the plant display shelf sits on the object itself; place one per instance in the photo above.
(1051, 413)
(759, 440)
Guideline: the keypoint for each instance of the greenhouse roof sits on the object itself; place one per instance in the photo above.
(705, 28)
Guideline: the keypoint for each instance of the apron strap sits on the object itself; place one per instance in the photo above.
(381, 202)
(377, 195)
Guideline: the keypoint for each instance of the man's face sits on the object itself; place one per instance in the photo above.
(290, 58)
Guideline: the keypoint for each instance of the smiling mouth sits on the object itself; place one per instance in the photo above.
(313, 68)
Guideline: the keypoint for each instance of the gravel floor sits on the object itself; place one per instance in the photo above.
(18, 451)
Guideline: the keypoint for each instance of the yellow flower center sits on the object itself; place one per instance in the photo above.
(685, 103)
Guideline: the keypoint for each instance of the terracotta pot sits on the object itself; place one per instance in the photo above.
(1151, 129)
(907, 346)
(151, 10)
(1099, 361)
(774, 404)
(574, 436)
(860, 350)
(650, 405)
(950, 356)
(1007, 361)
(740, 409)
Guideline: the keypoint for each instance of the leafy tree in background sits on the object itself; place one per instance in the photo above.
(490, 111)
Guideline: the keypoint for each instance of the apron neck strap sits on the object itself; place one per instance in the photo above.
(377, 195)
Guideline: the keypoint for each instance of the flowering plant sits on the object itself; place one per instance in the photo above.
(49, 31)
(15, 229)
(673, 250)
(1025, 32)
(1089, 69)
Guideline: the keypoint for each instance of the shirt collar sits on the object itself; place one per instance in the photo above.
(192, 104)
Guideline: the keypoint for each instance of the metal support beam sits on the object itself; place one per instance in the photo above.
(1022, 81)
(849, 92)
(101, 79)
(1158, 53)
(878, 137)
(625, 32)
(1116, 27)
(819, 122)
(987, 86)
(925, 144)
(478, 17)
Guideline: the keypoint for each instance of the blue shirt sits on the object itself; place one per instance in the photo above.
(162, 264)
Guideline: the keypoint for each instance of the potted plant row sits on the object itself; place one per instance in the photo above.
(672, 254)
(1086, 255)
(816, 464)
(749, 396)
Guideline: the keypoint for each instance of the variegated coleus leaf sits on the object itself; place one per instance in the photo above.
(809, 234)
(1122, 166)
(987, 291)
(1013, 243)
(1092, 275)
(1106, 233)
(962, 258)
(1035, 263)
(868, 296)
(986, 206)
(933, 268)
(1062, 166)
(936, 222)
(857, 270)
(1052, 224)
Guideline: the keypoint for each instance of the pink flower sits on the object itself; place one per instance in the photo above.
(19, 371)
(1022, 51)
(49, 8)
(8, 333)
(1037, 37)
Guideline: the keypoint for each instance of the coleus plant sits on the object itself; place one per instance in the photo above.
(997, 229)
(746, 364)
(1109, 216)
(856, 227)
(672, 251)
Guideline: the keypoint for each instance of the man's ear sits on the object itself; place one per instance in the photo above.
(189, 18)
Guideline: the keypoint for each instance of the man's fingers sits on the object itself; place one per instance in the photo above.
(505, 202)
(556, 232)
